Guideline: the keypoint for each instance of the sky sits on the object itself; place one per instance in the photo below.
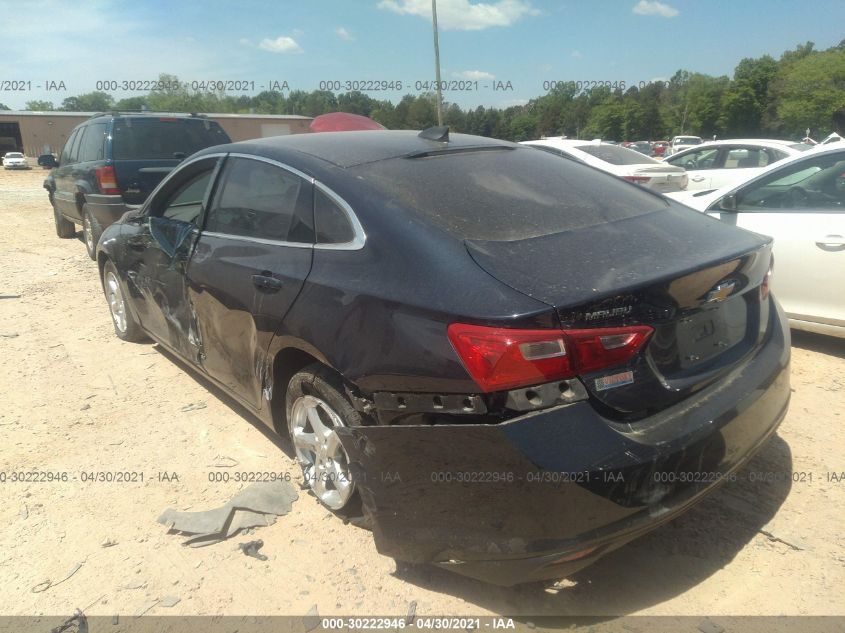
(504, 51)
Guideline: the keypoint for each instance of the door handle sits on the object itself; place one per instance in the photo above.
(697, 178)
(266, 281)
(831, 243)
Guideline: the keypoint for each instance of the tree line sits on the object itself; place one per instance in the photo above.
(766, 97)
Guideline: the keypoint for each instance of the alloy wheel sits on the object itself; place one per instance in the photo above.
(88, 233)
(117, 306)
(324, 462)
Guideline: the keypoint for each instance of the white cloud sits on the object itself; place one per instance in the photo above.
(343, 34)
(476, 75)
(281, 44)
(463, 15)
(653, 7)
(577, 54)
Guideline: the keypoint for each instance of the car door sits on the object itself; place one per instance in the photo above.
(802, 206)
(159, 243)
(699, 164)
(65, 194)
(248, 266)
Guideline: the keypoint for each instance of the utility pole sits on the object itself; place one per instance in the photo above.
(437, 62)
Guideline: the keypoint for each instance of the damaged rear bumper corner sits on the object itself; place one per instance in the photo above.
(547, 493)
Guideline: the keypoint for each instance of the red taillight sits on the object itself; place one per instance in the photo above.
(767, 280)
(640, 180)
(107, 181)
(504, 358)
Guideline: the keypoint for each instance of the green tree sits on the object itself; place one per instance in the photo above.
(3, 106)
(89, 102)
(811, 91)
(39, 105)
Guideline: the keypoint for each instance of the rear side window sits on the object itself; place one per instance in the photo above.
(331, 222)
(152, 138)
(91, 148)
(507, 194)
(258, 200)
(616, 155)
(65, 158)
(73, 150)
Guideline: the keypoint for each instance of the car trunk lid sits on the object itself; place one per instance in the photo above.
(693, 279)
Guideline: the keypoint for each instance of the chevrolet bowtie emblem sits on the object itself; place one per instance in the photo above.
(720, 292)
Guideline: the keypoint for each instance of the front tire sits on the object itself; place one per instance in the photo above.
(65, 229)
(125, 326)
(315, 406)
(91, 231)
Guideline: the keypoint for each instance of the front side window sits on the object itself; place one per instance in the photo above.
(817, 184)
(186, 203)
(701, 159)
(259, 200)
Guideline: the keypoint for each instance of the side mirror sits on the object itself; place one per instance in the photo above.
(47, 160)
(728, 203)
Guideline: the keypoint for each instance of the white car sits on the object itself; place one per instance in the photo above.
(720, 163)
(800, 202)
(14, 160)
(619, 161)
(679, 143)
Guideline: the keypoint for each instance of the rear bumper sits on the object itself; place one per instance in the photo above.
(546, 494)
(106, 209)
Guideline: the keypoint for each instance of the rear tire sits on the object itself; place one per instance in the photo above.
(65, 229)
(91, 231)
(315, 404)
(125, 326)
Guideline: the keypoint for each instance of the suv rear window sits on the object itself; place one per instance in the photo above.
(507, 194)
(165, 138)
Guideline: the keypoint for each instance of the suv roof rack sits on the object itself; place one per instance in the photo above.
(197, 115)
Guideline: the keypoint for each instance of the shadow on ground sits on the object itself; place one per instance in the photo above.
(652, 569)
(820, 343)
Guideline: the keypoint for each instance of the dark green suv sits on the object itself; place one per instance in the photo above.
(113, 161)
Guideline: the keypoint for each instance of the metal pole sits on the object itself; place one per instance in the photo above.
(437, 62)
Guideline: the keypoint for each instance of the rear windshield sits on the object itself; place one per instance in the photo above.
(507, 194)
(152, 138)
(688, 140)
(803, 147)
(616, 155)
(14, 155)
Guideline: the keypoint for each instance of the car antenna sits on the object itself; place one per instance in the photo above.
(438, 133)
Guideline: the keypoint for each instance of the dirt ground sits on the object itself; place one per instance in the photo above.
(75, 398)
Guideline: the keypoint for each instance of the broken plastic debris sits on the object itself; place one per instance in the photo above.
(251, 549)
(169, 601)
(257, 505)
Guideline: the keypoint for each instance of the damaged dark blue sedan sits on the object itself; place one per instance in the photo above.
(514, 363)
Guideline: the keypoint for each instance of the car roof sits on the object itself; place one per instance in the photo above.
(348, 149)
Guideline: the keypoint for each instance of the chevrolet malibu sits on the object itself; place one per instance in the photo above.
(511, 363)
